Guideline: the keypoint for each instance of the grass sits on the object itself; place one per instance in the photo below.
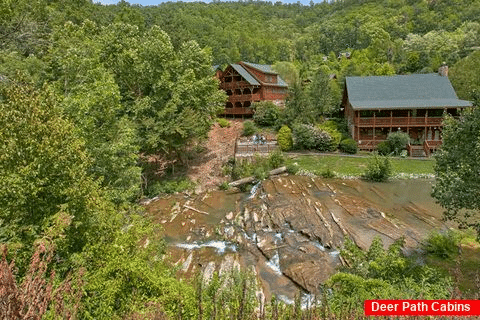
(463, 266)
(356, 166)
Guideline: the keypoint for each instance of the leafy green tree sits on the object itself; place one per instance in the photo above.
(127, 271)
(457, 185)
(171, 95)
(43, 165)
(323, 95)
(381, 273)
(267, 113)
(465, 76)
(91, 99)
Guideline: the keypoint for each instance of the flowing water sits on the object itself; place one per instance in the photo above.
(290, 228)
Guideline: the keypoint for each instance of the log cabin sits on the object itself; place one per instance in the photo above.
(246, 83)
(377, 105)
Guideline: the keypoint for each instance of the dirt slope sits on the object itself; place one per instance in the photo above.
(206, 169)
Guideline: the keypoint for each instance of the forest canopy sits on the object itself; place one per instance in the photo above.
(90, 92)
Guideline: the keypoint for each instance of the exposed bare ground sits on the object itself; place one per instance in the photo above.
(206, 168)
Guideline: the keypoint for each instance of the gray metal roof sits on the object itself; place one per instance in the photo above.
(265, 68)
(402, 92)
(244, 73)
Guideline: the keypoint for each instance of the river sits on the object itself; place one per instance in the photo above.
(289, 229)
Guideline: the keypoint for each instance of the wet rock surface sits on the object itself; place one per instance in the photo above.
(291, 228)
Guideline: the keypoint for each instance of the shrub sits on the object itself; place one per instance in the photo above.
(276, 159)
(309, 137)
(331, 128)
(398, 141)
(260, 172)
(348, 146)
(379, 168)
(303, 136)
(293, 168)
(224, 123)
(249, 128)
(327, 173)
(284, 138)
(442, 245)
(224, 186)
(266, 113)
(169, 186)
(383, 148)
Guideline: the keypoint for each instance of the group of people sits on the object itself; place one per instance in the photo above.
(259, 139)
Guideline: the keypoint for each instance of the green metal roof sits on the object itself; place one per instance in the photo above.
(244, 73)
(402, 92)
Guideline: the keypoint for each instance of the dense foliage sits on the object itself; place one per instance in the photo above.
(308, 137)
(379, 168)
(90, 92)
(266, 113)
(284, 138)
(398, 141)
(457, 184)
(348, 146)
(381, 273)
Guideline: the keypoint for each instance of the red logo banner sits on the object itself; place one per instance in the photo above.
(422, 307)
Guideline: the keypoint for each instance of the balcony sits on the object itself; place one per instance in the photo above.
(398, 122)
(238, 111)
(244, 97)
(234, 85)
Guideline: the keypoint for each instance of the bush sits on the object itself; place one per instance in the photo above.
(284, 138)
(276, 159)
(327, 173)
(169, 186)
(260, 172)
(266, 113)
(398, 141)
(224, 186)
(249, 128)
(442, 245)
(293, 168)
(303, 136)
(224, 123)
(308, 137)
(383, 148)
(379, 168)
(348, 146)
(331, 128)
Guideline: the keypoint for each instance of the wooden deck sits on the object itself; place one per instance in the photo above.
(387, 122)
(238, 111)
(245, 148)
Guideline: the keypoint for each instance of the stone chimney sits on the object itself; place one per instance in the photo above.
(443, 70)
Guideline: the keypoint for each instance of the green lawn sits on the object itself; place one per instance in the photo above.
(353, 166)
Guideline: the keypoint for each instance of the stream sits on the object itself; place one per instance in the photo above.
(289, 229)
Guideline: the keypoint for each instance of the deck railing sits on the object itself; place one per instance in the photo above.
(234, 85)
(248, 148)
(239, 111)
(398, 121)
(244, 97)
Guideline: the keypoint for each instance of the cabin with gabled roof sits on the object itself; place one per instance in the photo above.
(416, 103)
(246, 83)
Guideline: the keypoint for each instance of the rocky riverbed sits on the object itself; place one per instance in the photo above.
(290, 229)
